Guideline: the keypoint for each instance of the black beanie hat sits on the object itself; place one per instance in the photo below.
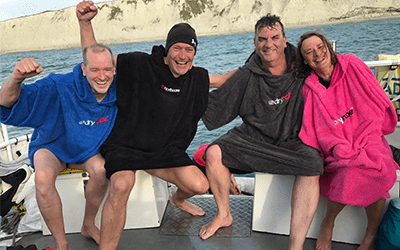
(181, 33)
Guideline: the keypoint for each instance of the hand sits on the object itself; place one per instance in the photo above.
(26, 68)
(234, 188)
(86, 11)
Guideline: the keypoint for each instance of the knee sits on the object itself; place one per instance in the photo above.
(47, 167)
(201, 185)
(213, 155)
(98, 174)
(40, 179)
(43, 182)
(120, 188)
(96, 169)
(307, 185)
(313, 180)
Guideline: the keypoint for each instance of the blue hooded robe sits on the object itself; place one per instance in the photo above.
(65, 115)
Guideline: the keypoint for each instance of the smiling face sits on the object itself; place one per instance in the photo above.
(270, 44)
(180, 58)
(316, 54)
(99, 72)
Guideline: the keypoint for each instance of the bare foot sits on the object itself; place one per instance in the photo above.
(367, 243)
(63, 246)
(324, 241)
(210, 228)
(91, 232)
(187, 207)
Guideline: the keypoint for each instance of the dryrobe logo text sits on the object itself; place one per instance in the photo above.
(91, 123)
(278, 101)
(170, 90)
(344, 117)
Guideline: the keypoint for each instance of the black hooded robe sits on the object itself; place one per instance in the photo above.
(157, 115)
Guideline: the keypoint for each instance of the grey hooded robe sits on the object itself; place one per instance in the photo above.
(271, 108)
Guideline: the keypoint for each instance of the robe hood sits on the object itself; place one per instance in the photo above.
(84, 91)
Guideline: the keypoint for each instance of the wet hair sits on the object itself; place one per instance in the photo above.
(301, 69)
(96, 48)
(268, 21)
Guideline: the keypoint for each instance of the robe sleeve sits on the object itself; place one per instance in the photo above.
(308, 130)
(374, 88)
(36, 103)
(224, 103)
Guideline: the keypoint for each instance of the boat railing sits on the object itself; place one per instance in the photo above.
(392, 62)
(11, 149)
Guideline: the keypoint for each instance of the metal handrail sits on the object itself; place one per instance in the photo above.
(383, 63)
(15, 140)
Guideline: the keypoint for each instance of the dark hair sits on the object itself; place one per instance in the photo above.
(96, 48)
(268, 21)
(299, 67)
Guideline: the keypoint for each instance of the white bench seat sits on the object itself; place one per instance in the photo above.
(271, 212)
(145, 209)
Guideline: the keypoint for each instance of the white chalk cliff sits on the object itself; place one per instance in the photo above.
(126, 21)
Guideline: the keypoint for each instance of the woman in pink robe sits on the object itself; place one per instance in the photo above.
(346, 115)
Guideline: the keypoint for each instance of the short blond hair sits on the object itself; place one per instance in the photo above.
(96, 48)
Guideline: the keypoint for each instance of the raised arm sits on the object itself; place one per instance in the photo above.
(85, 12)
(216, 81)
(11, 88)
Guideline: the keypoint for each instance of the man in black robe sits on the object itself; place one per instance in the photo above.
(160, 97)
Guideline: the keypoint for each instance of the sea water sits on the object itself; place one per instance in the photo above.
(220, 54)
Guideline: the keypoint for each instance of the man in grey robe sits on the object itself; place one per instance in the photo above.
(268, 98)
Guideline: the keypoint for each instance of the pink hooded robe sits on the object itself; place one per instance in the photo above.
(347, 123)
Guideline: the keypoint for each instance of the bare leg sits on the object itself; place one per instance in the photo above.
(305, 197)
(374, 212)
(220, 182)
(114, 211)
(96, 189)
(47, 167)
(189, 180)
(324, 241)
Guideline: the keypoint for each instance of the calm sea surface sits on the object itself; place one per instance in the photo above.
(220, 54)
